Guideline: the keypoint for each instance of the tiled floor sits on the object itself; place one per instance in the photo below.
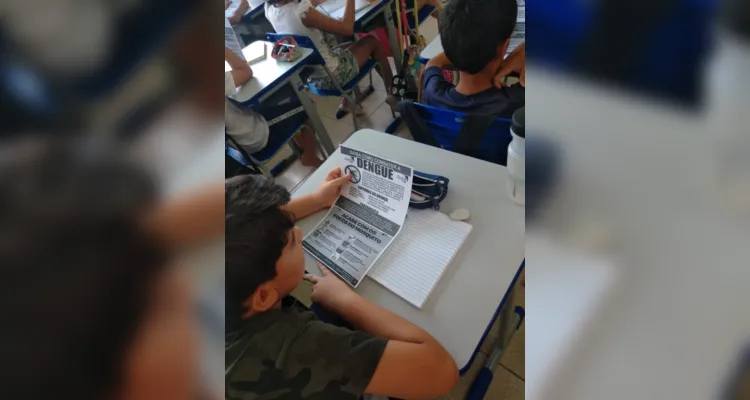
(508, 382)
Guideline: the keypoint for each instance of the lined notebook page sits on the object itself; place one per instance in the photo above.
(422, 251)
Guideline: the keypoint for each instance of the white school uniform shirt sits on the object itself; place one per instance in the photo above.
(247, 128)
(233, 5)
(230, 39)
(288, 19)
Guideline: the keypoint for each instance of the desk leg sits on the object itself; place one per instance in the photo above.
(392, 35)
(320, 129)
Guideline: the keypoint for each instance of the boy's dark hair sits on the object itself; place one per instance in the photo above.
(77, 270)
(256, 233)
(471, 30)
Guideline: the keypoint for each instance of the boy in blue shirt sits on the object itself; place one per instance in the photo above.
(475, 35)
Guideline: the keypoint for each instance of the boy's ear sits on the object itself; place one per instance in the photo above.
(264, 297)
(502, 48)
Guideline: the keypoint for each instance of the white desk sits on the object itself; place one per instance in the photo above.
(465, 299)
(431, 50)
(336, 8)
(255, 9)
(269, 75)
(436, 46)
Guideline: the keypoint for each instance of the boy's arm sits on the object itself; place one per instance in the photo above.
(440, 60)
(515, 62)
(241, 72)
(323, 197)
(413, 364)
(304, 206)
(313, 18)
(433, 82)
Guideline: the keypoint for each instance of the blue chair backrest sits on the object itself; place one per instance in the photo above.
(237, 156)
(446, 124)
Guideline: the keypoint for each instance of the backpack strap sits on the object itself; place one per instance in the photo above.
(472, 133)
(416, 124)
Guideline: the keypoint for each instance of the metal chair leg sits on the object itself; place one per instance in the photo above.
(352, 109)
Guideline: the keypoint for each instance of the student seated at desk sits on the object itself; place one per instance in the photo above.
(250, 129)
(275, 349)
(300, 17)
(475, 35)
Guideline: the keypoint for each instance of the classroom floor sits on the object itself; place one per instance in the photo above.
(508, 382)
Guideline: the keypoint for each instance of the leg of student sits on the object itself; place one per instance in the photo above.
(368, 47)
(307, 142)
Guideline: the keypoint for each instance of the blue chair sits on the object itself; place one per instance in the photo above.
(440, 128)
(237, 160)
(256, 160)
(347, 91)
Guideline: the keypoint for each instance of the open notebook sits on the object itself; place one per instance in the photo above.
(422, 251)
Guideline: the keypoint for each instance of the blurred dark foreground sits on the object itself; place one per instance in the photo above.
(111, 121)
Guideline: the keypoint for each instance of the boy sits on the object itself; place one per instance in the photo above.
(475, 35)
(250, 129)
(271, 349)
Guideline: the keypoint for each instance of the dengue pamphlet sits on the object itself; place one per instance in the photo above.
(366, 217)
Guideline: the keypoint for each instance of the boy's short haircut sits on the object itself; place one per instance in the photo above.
(471, 30)
(256, 234)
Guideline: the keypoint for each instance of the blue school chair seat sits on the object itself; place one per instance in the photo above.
(441, 128)
(349, 88)
(256, 160)
(237, 163)
(276, 141)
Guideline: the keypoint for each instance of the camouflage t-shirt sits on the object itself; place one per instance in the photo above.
(285, 354)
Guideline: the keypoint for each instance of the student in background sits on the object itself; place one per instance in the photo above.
(250, 129)
(302, 18)
(271, 348)
(235, 10)
(475, 35)
(231, 40)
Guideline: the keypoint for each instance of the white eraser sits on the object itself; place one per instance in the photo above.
(460, 214)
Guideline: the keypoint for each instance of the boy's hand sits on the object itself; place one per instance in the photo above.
(329, 191)
(516, 62)
(328, 290)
